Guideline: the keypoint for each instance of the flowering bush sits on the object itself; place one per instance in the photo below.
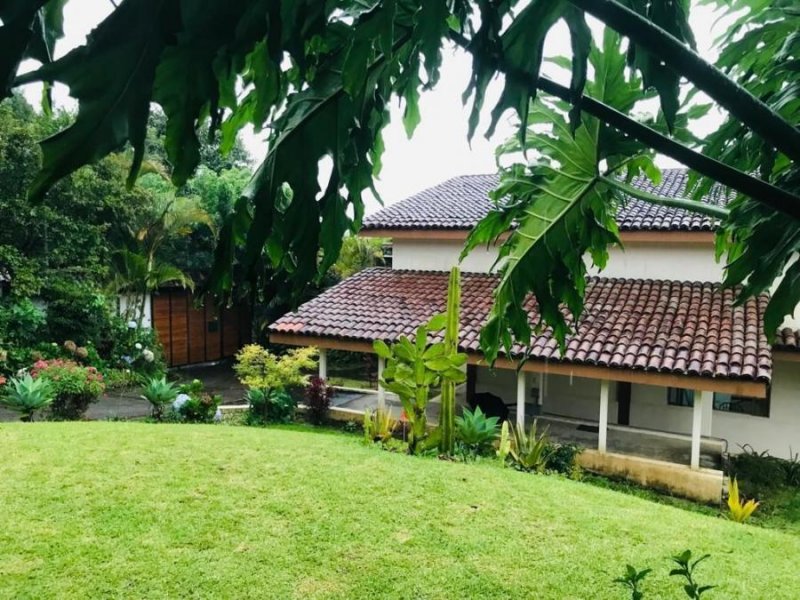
(75, 386)
(195, 405)
(136, 349)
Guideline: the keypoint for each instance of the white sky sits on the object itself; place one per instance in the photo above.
(439, 149)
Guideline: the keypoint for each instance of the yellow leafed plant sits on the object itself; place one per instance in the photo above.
(739, 511)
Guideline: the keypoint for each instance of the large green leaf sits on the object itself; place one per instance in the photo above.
(112, 77)
(561, 209)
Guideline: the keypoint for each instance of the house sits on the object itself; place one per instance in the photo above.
(663, 375)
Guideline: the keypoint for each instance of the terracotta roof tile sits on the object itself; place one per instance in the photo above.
(459, 203)
(788, 340)
(664, 326)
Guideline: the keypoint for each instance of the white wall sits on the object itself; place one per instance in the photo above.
(777, 433)
(125, 300)
(684, 262)
(440, 256)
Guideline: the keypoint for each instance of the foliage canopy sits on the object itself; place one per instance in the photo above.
(319, 76)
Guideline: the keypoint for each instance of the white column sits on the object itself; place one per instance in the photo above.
(540, 387)
(323, 363)
(522, 395)
(602, 428)
(381, 391)
(697, 428)
(708, 412)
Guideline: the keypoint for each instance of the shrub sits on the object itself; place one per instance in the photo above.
(260, 369)
(379, 426)
(75, 386)
(160, 393)
(21, 323)
(194, 405)
(274, 406)
(26, 395)
(739, 510)
(529, 452)
(76, 312)
(133, 348)
(318, 400)
(563, 458)
(763, 475)
(475, 432)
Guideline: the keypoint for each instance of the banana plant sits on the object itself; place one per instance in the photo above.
(448, 412)
(413, 368)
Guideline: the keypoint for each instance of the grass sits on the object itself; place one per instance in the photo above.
(162, 511)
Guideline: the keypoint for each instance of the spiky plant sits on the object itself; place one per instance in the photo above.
(26, 395)
(448, 411)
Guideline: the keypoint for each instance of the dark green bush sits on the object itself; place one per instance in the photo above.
(563, 458)
(762, 475)
(275, 406)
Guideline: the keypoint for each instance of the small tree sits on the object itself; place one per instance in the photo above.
(318, 399)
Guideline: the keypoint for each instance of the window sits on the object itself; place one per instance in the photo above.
(680, 397)
(757, 407)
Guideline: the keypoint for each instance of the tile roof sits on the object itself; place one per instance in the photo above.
(664, 326)
(459, 203)
(788, 340)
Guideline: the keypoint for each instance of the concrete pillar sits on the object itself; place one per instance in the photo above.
(708, 412)
(522, 396)
(323, 363)
(381, 391)
(602, 428)
(697, 427)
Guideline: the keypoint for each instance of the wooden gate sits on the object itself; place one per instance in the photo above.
(192, 334)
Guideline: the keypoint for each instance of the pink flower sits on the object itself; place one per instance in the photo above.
(2, 380)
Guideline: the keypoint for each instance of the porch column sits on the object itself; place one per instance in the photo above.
(381, 391)
(602, 427)
(522, 395)
(323, 363)
(702, 402)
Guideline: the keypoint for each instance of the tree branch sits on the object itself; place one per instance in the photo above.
(711, 210)
(759, 190)
(738, 101)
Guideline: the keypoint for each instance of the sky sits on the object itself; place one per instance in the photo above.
(439, 148)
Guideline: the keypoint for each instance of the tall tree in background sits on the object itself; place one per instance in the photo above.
(320, 75)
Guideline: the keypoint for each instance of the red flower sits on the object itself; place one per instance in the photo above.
(2, 380)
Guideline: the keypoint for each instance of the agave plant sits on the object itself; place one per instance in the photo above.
(379, 425)
(475, 431)
(530, 452)
(26, 395)
(159, 393)
(739, 510)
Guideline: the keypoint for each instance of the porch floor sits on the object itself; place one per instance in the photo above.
(656, 445)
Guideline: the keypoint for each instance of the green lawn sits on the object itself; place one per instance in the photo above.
(166, 511)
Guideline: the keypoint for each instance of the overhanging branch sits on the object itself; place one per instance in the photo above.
(755, 188)
(738, 101)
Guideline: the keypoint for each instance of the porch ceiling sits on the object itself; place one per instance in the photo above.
(660, 332)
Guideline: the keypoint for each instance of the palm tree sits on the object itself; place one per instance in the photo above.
(138, 271)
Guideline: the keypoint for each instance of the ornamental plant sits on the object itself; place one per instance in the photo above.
(75, 386)
(195, 405)
(26, 395)
(475, 432)
(258, 368)
(739, 510)
(412, 369)
(159, 393)
(318, 400)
